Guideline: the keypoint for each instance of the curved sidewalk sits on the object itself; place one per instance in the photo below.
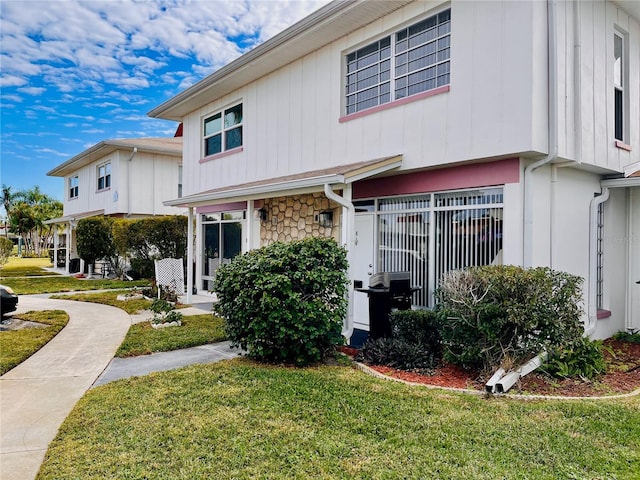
(37, 395)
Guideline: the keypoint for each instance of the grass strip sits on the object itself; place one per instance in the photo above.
(25, 267)
(242, 420)
(26, 286)
(110, 298)
(196, 330)
(18, 345)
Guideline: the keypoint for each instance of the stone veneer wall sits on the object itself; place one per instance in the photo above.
(295, 217)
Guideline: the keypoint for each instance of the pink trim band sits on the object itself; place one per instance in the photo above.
(402, 101)
(221, 154)
(623, 146)
(476, 175)
(223, 207)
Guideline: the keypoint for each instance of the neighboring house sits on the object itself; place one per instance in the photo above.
(429, 136)
(126, 178)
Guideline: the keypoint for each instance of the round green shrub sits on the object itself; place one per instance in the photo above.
(503, 315)
(285, 302)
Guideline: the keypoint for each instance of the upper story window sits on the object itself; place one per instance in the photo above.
(619, 86)
(73, 187)
(104, 176)
(223, 131)
(412, 60)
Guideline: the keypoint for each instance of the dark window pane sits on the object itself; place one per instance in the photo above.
(401, 93)
(100, 183)
(213, 145)
(401, 35)
(619, 115)
(444, 16)
(233, 116)
(233, 138)
(443, 80)
(385, 42)
(107, 181)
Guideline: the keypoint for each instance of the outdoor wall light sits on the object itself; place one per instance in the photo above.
(325, 218)
(262, 214)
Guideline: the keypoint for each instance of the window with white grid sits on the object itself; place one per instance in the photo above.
(414, 59)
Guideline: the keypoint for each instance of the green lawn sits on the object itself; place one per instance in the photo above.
(25, 267)
(196, 330)
(241, 420)
(110, 298)
(18, 345)
(24, 286)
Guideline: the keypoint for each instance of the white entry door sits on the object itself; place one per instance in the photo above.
(363, 255)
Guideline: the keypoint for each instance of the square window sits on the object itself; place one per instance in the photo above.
(223, 130)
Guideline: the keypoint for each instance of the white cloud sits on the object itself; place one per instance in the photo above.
(76, 42)
(12, 81)
(50, 151)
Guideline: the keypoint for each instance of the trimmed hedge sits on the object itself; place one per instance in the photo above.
(285, 302)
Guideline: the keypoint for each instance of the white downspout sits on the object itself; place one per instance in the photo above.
(552, 111)
(189, 254)
(629, 320)
(133, 154)
(347, 232)
(592, 312)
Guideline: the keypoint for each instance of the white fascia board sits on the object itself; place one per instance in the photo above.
(258, 191)
(621, 182)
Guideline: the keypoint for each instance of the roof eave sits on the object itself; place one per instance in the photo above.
(298, 186)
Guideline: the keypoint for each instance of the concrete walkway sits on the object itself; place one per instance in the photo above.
(37, 395)
(158, 362)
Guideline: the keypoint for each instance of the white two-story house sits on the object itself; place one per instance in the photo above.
(126, 178)
(427, 136)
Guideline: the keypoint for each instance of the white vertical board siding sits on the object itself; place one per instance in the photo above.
(598, 21)
(291, 116)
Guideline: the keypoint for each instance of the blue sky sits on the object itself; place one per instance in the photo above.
(74, 73)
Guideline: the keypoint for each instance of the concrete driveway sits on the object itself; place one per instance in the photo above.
(37, 395)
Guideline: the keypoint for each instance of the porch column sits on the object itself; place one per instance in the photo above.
(56, 242)
(189, 254)
(67, 259)
(249, 236)
(198, 253)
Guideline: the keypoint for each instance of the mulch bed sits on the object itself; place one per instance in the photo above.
(623, 376)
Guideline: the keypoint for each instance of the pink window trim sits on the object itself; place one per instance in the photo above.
(223, 207)
(623, 146)
(476, 175)
(402, 101)
(601, 314)
(221, 154)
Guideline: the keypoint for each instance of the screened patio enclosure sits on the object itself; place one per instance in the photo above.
(431, 234)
